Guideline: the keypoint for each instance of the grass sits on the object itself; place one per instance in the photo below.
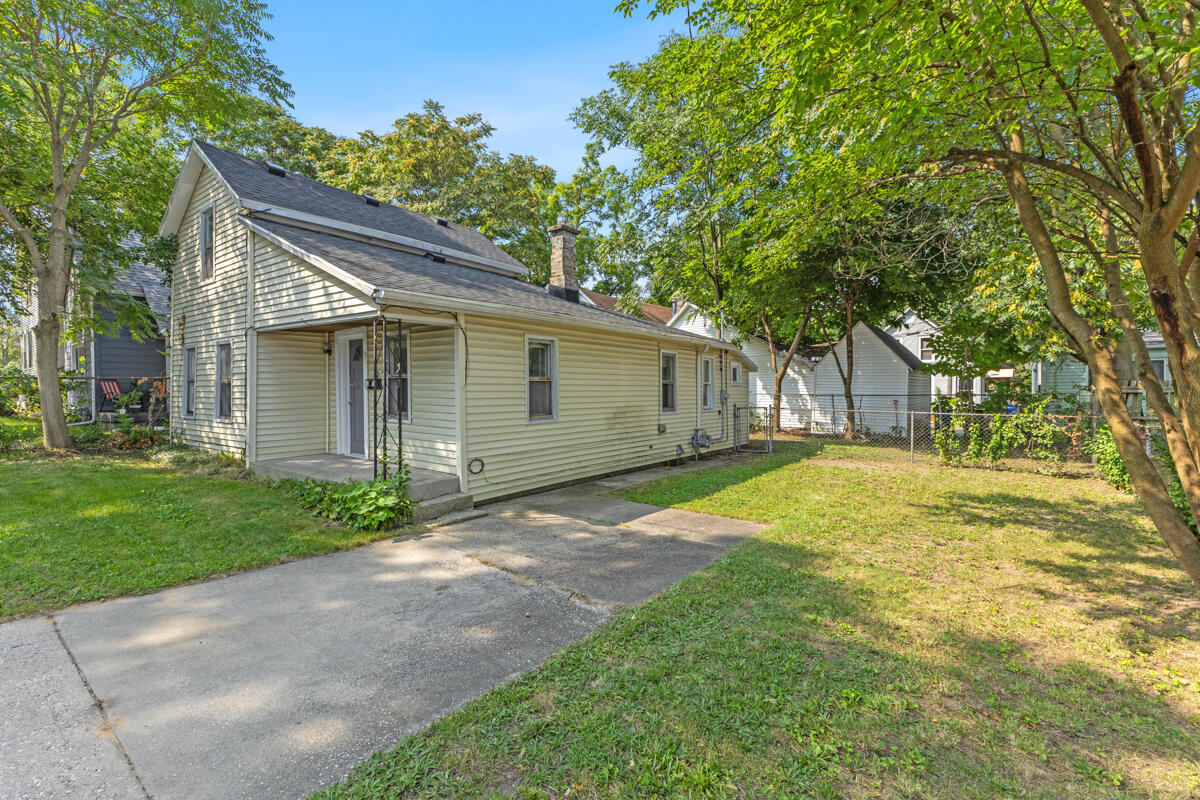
(899, 631)
(15, 429)
(85, 528)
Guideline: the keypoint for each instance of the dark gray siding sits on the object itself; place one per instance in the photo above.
(121, 356)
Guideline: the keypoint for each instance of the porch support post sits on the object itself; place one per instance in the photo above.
(460, 400)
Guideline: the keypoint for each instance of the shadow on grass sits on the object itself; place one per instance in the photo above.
(1112, 569)
(765, 676)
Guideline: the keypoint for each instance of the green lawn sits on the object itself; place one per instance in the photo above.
(13, 429)
(900, 631)
(75, 529)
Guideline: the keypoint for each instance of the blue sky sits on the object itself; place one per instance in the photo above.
(523, 66)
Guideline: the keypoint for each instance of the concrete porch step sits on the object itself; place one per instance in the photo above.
(434, 507)
(429, 484)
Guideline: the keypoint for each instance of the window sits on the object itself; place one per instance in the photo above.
(224, 381)
(29, 359)
(1160, 368)
(707, 395)
(540, 368)
(189, 381)
(670, 371)
(735, 373)
(926, 349)
(206, 244)
(396, 370)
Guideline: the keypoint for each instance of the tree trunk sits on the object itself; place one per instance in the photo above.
(847, 380)
(1143, 474)
(55, 435)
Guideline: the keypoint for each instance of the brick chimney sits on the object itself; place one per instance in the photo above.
(562, 261)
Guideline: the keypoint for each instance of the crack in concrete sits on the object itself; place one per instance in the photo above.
(524, 578)
(107, 726)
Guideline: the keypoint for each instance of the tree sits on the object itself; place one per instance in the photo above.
(1082, 115)
(268, 131)
(76, 76)
(445, 167)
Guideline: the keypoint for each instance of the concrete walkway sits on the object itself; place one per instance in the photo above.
(274, 683)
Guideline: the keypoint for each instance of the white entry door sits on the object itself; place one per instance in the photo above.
(351, 394)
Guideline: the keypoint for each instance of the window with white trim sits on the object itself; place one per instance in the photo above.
(735, 373)
(224, 380)
(541, 369)
(927, 349)
(206, 244)
(707, 387)
(1160, 368)
(669, 364)
(189, 381)
(396, 366)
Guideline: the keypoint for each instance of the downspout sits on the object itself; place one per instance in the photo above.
(328, 350)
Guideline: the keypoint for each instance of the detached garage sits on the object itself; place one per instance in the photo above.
(887, 383)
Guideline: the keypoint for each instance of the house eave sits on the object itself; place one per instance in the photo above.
(185, 185)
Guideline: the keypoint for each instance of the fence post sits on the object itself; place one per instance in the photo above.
(912, 436)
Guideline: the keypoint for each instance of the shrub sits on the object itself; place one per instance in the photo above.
(365, 506)
(1108, 460)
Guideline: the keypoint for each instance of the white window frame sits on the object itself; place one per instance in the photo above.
(735, 373)
(206, 222)
(189, 377)
(1163, 377)
(217, 376)
(553, 342)
(922, 347)
(406, 348)
(708, 403)
(674, 380)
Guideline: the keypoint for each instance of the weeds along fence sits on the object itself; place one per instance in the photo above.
(1019, 439)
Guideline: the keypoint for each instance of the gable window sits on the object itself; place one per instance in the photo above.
(926, 349)
(707, 388)
(735, 374)
(189, 381)
(224, 380)
(670, 372)
(397, 376)
(541, 367)
(206, 244)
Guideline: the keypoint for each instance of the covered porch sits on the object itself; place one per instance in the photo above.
(346, 399)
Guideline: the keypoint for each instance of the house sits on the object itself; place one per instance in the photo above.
(916, 335)
(650, 311)
(108, 359)
(1070, 376)
(322, 333)
(888, 382)
(795, 402)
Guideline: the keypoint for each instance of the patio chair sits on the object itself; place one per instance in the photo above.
(109, 392)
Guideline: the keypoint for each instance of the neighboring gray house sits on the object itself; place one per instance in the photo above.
(103, 358)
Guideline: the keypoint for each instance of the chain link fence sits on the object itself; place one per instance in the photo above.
(1032, 440)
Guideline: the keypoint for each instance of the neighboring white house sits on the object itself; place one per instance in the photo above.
(887, 383)
(321, 331)
(916, 335)
(795, 407)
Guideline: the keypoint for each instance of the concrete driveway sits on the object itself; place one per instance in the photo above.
(277, 682)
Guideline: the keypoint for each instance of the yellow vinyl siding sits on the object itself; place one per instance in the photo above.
(288, 291)
(207, 312)
(291, 394)
(608, 413)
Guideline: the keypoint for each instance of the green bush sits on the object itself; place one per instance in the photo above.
(1108, 460)
(364, 506)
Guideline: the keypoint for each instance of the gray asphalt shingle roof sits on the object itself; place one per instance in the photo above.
(388, 268)
(250, 180)
(906, 355)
